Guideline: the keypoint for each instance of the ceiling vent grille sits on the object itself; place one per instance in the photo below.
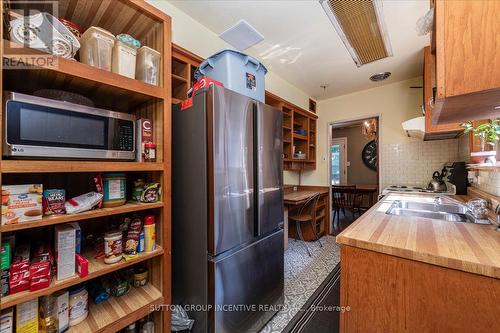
(361, 27)
(242, 35)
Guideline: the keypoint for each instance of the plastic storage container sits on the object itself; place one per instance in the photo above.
(97, 48)
(236, 71)
(124, 59)
(78, 305)
(115, 189)
(148, 65)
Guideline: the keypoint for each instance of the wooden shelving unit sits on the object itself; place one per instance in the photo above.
(295, 121)
(29, 166)
(97, 268)
(111, 91)
(130, 207)
(120, 311)
(184, 64)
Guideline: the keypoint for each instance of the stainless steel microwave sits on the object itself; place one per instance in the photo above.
(36, 127)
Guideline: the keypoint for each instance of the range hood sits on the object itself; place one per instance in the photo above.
(415, 127)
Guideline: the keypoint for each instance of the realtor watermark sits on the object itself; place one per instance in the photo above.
(33, 34)
(248, 308)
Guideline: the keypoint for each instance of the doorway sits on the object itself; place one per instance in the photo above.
(338, 163)
(353, 169)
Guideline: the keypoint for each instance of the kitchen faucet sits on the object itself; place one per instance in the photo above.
(497, 211)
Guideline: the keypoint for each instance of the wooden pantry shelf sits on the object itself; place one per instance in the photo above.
(119, 312)
(97, 267)
(35, 166)
(73, 73)
(299, 136)
(51, 220)
(176, 100)
(179, 78)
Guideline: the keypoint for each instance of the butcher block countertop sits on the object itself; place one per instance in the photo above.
(468, 247)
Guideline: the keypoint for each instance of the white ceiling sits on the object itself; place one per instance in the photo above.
(302, 46)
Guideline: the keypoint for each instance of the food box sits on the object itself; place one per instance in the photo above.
(7, 321)
(21, 203)
(65, 241)
(27, 317)
(144, 134)
(62, 310)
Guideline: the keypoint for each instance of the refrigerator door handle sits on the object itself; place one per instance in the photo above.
(256, 164)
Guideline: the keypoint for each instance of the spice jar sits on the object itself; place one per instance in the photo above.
(149, 152)
(78, 305)
(112, 247)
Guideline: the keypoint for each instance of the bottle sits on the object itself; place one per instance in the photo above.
(140, 248)
(149, 233)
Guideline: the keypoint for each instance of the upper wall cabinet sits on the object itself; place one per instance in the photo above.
(434, 131)
(467, 45)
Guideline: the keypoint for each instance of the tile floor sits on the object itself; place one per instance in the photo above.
(303, 274)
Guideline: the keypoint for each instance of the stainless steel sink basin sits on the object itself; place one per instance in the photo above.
(441, 209)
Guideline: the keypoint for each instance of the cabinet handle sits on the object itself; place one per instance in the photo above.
(431, 102)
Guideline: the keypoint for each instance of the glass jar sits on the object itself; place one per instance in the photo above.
(149, 152)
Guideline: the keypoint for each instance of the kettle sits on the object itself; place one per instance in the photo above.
(437, 184)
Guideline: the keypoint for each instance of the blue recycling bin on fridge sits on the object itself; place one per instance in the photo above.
(236, 71)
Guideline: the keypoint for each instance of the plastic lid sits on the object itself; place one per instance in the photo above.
(150, 145)
(101, 31)
(114, 175)
(126, 46)
(76, 289)
(148, 220)
(114, 233)
(148, 49)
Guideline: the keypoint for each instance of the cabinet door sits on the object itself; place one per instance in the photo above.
(467, 46)
(429, 83)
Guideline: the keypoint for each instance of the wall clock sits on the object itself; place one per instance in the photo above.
(369, 155)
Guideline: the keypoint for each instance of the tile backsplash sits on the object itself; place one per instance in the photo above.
(413, 163)
(487, 181)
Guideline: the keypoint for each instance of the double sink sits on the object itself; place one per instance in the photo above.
(442, 208)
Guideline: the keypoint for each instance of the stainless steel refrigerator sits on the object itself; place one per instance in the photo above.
(227, 209)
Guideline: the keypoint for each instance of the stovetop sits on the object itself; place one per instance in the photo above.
(416, 189)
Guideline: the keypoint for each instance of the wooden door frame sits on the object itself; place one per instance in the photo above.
(343, 164)
(329, 127)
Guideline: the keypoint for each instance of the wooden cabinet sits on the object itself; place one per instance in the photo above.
(468, 67)
(390, 294)
(299, 134)
(118, 93)
(184, 64)
(433, 131)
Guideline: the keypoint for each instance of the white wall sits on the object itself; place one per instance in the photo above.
(394, 102)
(197, 38)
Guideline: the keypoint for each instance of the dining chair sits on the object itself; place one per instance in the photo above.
(344, 198)
(307, 214)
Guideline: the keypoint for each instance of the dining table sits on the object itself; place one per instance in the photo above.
(368, 190)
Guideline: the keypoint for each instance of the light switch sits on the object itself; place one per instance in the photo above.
(348, 163)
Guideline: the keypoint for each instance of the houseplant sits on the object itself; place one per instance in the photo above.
(489, 135)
